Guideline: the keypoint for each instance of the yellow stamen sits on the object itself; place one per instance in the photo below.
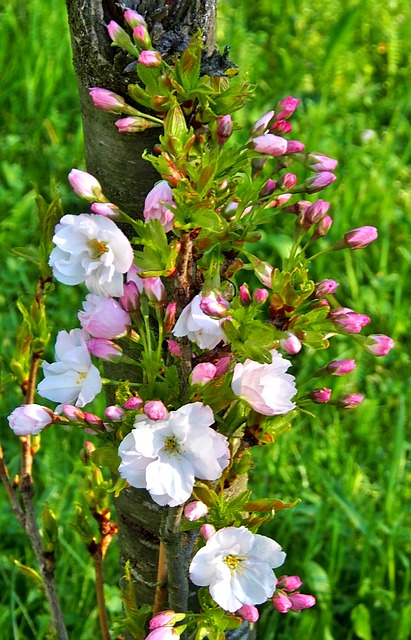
(97, 248)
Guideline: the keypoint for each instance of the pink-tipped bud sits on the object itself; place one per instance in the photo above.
(263, 270)
(319, 182)
(270, 145)
(378, 344)
(320, 162)
(221, 366)
(163, 633)
(107, 100)
(300, 601)
(341, 367)
(85, 185)
(154, 289)
(104, 349)
(203, 373)
(361, 237)
(121, 38)
(91, 418)
(133, 18)
(245, 297)
(114, 412)
(248, 612)
(207, 530)
(141, 37)
(134, 124)
(130, 300)
(30, 419)
(281, 602)
(150, 59)
(157, 205)
(133, 403)
(170, 317)
(155, 410)
(287, 181)
(320, 396)
(289, 583)
(268, 188)
(213, 308)
(322, 227)
(348, 320)
(350, 400)
(286, 108)
(294, 146)
(105, 209)
(260, 296)
(325, 288)
(291, 344)
(195, 510)
(72, 412)
(224, 129)
(281, 126)
(314, 213)
(174, 348)
(165, 619)
(262, 123)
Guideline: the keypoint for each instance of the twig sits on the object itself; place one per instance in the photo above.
(5, 478)
(160, 597)
(176, 568)
(101, 605)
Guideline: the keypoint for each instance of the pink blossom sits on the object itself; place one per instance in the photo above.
(286, 107)
(133, 403)
(319, 182)
(348, 320)
(350, 400)
(174, 348)
(150, 59)
(72, 412)
(281, 602)
(163, 633)
(378, 344)
(114, 412)
(322, 228)
(268, 188)
(221, 366)
(281, 126)
(155, 205)
(103, 317)
(195, 510)
(106, 209)
(30, 419)
(260, 295)
(287, 181)
(361, 237)
(207, 530)
(341, 367)
(325, 288)
(130, 300)
(165, 619)
(104, 349)
(300, 601)
(248, 612)
(320, 396)
(289, 583)
(314, 213)
(107, 100)
(215, 308)
(270, 145)
(155, 410)
(153, 287)
(85, 185)
(294, 146)
(203, 373)
(291, 344)
(320, 162)
(141, 37)
(262, 123)
(224, 129)
(245, 297)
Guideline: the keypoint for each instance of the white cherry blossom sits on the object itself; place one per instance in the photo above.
(199, 327)
(237, 566)
(30, 419)
(91, 249)
(165, 456)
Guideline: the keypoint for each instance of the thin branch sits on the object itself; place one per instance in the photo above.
(101, 604)
(160, 598)
(11, 493)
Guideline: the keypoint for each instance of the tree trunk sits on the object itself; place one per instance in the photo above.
(115, 160)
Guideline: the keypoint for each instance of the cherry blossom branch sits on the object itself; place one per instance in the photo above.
(11, 493)
(101, 605)
(171, 538)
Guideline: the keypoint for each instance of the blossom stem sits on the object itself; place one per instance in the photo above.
(101, 605)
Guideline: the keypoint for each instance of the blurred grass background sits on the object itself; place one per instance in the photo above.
(349, 538)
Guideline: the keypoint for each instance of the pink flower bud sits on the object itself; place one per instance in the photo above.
(287, 181)
(260, 295)
(141, 37)
(174, 348)
(106, 209)
(325, 288)
(281, 126)
(107, 100)
(165, 619)
(154, 289)
(291, 344)
(30, 419)
(378, 344)
(320, 162)
(133, 403)
(245, 297)
(133, 18)
(130, 299)
(155, 410)
(114, 412)
(281, 602)
(348, 320)
(282, 199)
(319, 182)
(207, 530)
(341, 367)
(314, 213)
(286, 108)
(195, 510)
(289, 583)
(121, 38)
(221, 366)
(91, 418)
(85, 185)
(72, 412)
(350, 400)
(268, 188)
(224, 129)
(134, 124)
(170, 317)
(248, 612)
(163, 633)
(263, 270)
(322, 228)
(103, 317)
(320, 396)
(104, 349)
(262, 123)
(212, 307)
(150, 59)
(203, 373)
(270, 145)
(300, 601)
(157, 205)
(294, 146)
(361, 237)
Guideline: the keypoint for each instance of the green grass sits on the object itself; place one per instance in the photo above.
(349, 537)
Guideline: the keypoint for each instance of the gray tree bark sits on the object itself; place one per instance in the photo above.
(115, 160)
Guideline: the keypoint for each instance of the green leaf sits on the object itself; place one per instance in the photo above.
(139, 95)
(269, 504)
(277, 425)
(31, 254)
(30, 573)
(106, 456)
(360, 617)
(188, 66)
